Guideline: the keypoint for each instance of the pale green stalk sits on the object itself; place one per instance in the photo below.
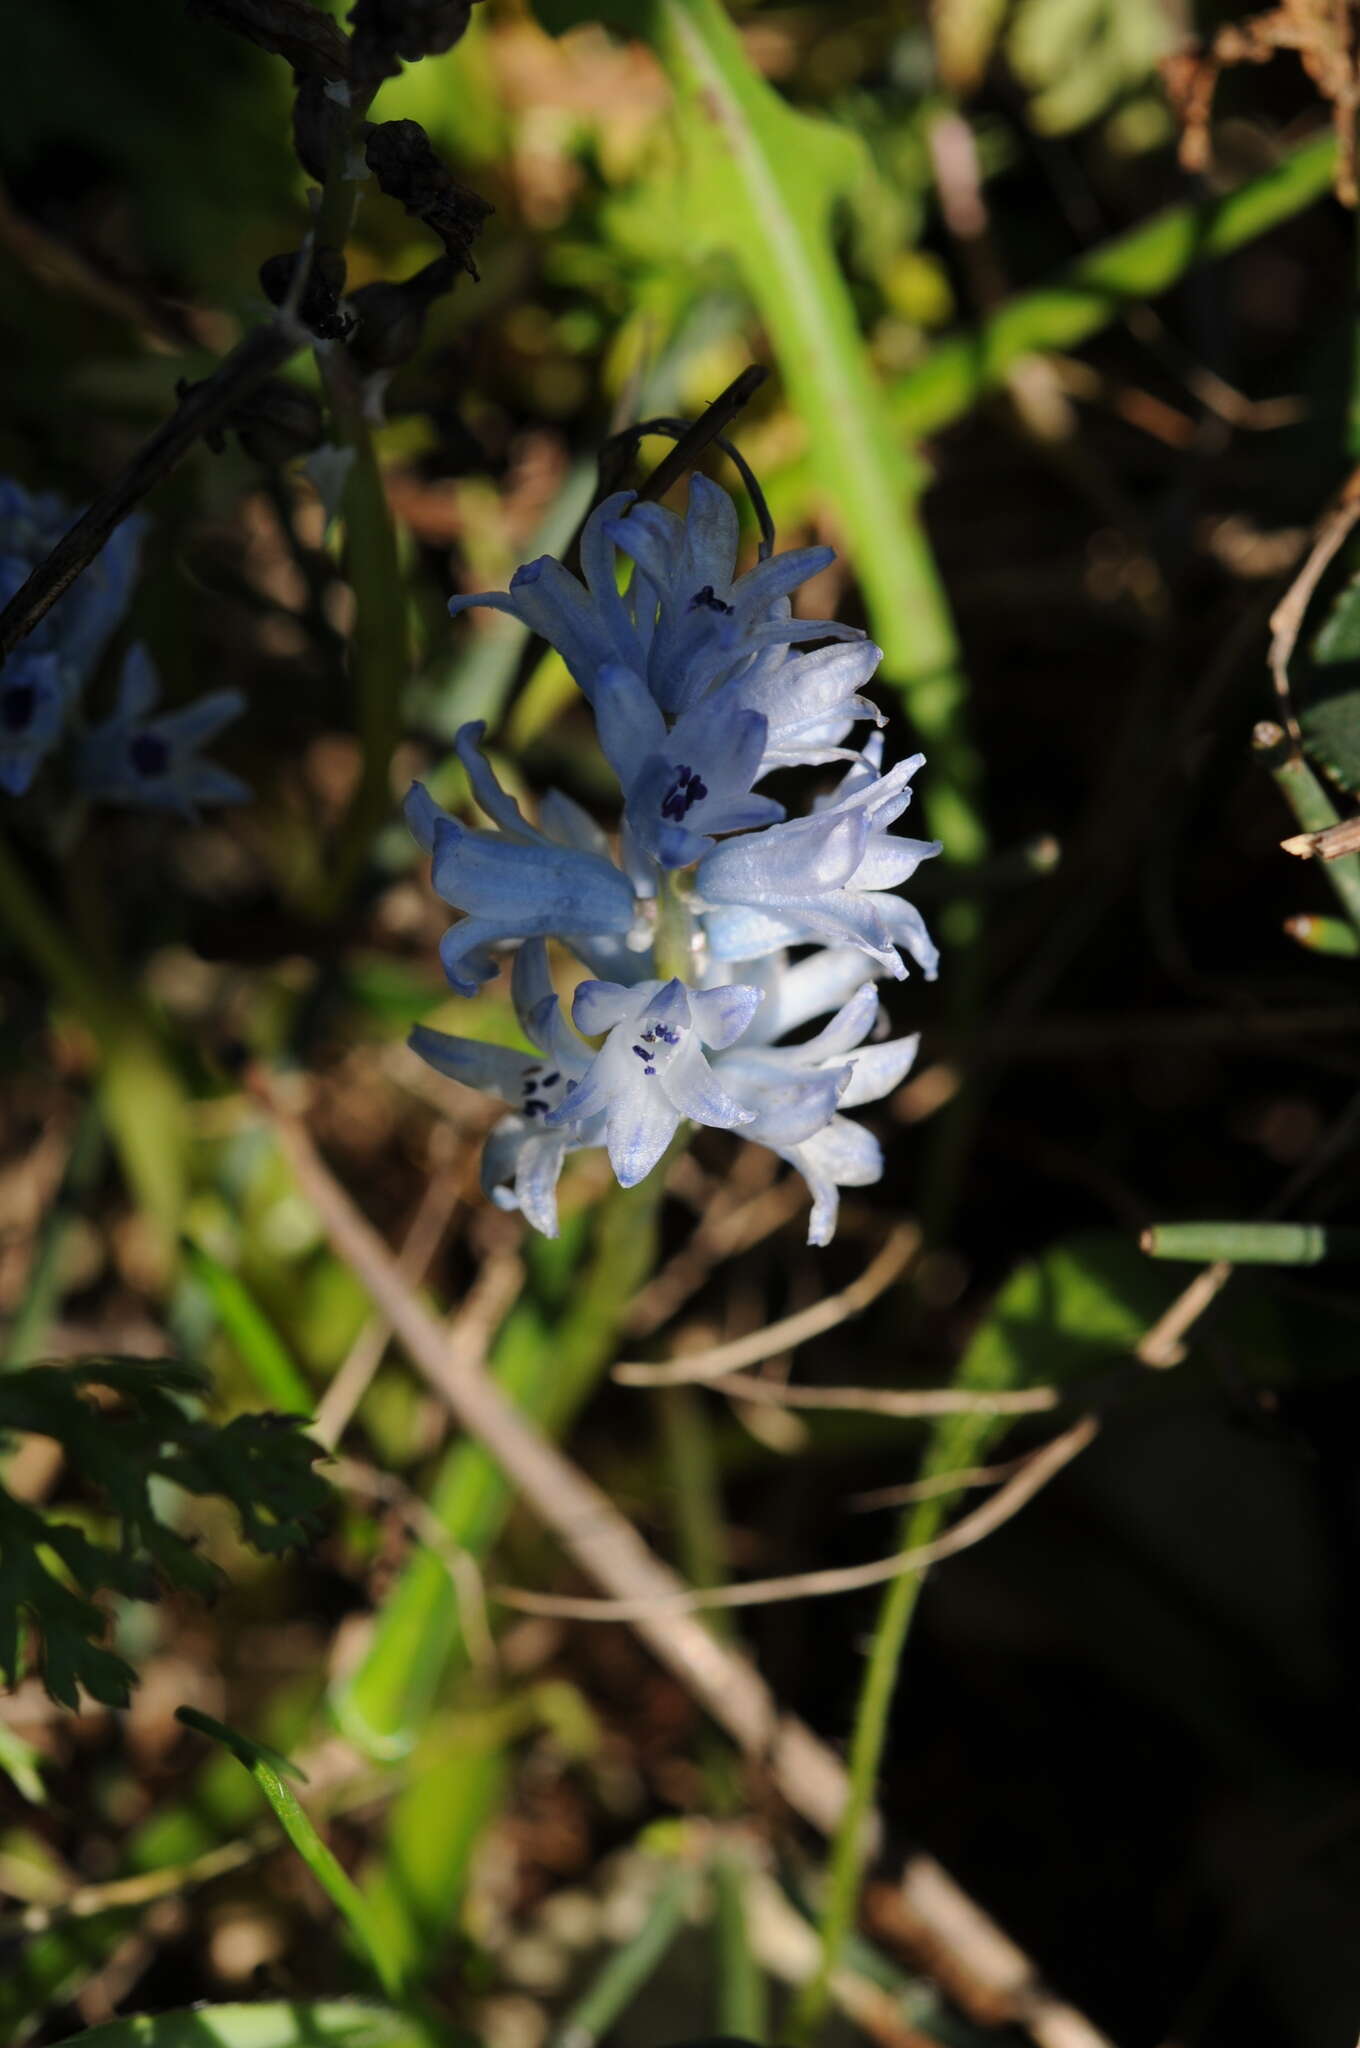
(629, 1968)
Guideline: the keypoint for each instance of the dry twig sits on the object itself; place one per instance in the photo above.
(1286, 621)
(905, 1401)
(810, 1322)
(351, 1382)
(810, 1776)
(1033, 1476)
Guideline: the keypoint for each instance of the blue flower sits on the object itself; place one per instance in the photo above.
(651, 1072)
(32, 711)
(41, 682)
(523, 1157)
(702, 685)
(685, 783)
(825, 877)
(79, 626)
(134, 758)
(518, 882)
(686, 623)
(797, 1091)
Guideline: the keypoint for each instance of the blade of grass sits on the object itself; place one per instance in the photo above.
(1311, 805)
(271, 1773)
(629, 1968)
(743, 2008)
(549, 1370)
(261, 1349)
(140, 1094)
(762, 183)
(25, 1339)
(1092, 292)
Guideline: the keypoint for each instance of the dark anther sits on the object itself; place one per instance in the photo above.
(707, 600)
(687, 788)
(17, 706)
(150, 755)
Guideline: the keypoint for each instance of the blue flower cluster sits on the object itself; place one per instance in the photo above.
(133, 756)
(701, 689)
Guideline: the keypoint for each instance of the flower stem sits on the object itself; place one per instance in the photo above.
(955, 1445)
(141, 1098)
(673, 947)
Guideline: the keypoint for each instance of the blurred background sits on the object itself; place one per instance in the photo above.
(1126, 1722)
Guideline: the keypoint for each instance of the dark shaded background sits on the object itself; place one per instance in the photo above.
(1127, 1723)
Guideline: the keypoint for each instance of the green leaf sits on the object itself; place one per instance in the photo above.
(549, 1372)
(22, 1764)
(1328, 686)
(762, 183)
(124, 1427)
(251, 1331)
(1080, 58)
(1338, 639)
(335, 2023)
(270, 1773)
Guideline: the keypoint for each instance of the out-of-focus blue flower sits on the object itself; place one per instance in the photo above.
(135, 758)
(702, 685)
(651, 1071)
(79, 626)
(40, 684)
(32, 710)
(523, 1156)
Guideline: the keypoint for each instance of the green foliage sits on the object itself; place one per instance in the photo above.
(1330, 717)
(124, 1427)
(271, 1772)
(332, 2023)
(762, 183)
(1251, 1244)
(1079, 59)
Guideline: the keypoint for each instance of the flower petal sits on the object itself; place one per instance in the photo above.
(629, 723)
(721, 1015)
(496, 1069)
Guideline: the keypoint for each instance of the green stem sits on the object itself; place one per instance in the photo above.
(1251, 1244)
(140, 1094)
(629, 1968)
(1099, 287)
(1312, 807)
(955, 1445)
(47, 945)
(673, 945)
(743, 2009)
(380, 652)
(550, 1372)
(25, 1339)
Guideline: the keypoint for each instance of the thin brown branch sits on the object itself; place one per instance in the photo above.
(1164, 1344)
(811, 1322)
(808, 1773)
(1033, 1476)
(1332, 844)
(365, 1355)
(469, 1590)
(905, 1401)
(1286, 621)
(931, 1489)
